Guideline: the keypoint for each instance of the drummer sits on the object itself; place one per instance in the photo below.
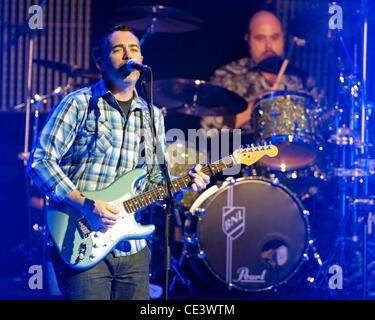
(265, 39)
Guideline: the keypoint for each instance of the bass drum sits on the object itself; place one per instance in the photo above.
(251, 234)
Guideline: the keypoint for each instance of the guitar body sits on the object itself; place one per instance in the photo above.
(78, 241)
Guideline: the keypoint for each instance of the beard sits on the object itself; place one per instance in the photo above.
(268, 54)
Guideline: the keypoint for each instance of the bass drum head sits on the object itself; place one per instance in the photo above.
(253, 234)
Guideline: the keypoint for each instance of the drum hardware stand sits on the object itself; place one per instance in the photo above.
(24, 156)
(351, 171)
(150, 30)
(189, 239)
(366, 206)
(174, 264)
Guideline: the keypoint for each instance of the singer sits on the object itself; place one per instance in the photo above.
(92, 137)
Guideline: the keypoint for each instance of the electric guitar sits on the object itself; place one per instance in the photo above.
(81, 245)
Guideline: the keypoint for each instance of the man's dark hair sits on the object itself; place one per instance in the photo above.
(103, 40)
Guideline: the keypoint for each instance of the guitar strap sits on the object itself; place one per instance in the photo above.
(147, 140)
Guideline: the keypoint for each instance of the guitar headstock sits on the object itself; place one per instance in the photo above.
(250, 154)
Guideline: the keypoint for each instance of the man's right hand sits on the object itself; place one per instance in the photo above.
(100, 213)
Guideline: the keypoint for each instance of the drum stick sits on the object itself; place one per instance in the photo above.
(299, 42)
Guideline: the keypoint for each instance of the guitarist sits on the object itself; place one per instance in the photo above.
(90, 139)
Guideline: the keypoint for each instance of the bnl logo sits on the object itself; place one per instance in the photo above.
(336, 21)
(233, 221)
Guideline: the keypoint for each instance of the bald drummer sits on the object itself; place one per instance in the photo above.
(265, 39)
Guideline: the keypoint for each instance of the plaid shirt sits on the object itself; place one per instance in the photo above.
(87, 143)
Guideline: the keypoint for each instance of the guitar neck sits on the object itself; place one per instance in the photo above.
(160, 193)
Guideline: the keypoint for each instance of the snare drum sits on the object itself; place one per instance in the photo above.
(286, 119)
(250, 234)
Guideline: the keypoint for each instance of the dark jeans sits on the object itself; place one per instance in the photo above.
(122, 278)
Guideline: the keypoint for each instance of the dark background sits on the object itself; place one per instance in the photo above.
(193, 55)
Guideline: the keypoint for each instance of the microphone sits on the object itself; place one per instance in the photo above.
(133, 65)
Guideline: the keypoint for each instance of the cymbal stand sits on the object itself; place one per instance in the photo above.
(364, 147)
(346, 140)
(150, 30)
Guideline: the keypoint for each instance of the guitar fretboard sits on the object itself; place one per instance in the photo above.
(160, 193)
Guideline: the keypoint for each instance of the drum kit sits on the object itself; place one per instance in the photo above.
(268, 235)
(276, 210)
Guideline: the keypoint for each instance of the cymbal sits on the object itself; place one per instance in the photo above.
(166, 20)
(197, 98)
(71, 70)
(273, 65)
(87, 74)
(312, 24)
(63, 67)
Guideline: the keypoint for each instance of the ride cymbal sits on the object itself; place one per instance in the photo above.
(163, 19)
(197, 98)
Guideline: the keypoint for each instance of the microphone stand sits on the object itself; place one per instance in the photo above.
(170, 200)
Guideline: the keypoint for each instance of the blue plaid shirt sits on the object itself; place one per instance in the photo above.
(87, 143)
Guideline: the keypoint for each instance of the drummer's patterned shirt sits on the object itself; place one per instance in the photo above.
(239, 77)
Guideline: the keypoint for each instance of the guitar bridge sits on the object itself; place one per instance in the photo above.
(83, 227)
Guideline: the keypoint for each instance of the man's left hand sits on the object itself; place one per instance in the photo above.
(199, 179)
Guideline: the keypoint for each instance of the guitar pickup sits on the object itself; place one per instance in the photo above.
(83, 227)
(82, 251)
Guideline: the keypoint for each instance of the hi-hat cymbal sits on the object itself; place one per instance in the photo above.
(197, 98)
(71, 70)
(165, 20)
(59, 66)
(313, 24)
